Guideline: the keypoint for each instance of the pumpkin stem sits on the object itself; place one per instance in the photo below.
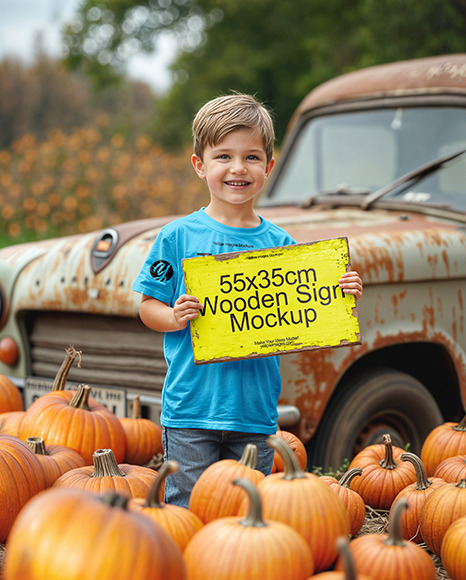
(461, 483)
(114, 499)
(153, 497)
(254, 516)
(37, 444)
(80, 399)
(249, 457)
(349, 475)
(136, 407)
(60, 379)
(395, 537)
(388, 462)
(342, 546)
(422, 482)
(461, 425)
(290, 463)
(105, 464)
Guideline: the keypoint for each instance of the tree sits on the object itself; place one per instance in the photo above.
(273, 49)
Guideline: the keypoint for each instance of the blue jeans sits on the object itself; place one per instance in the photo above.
(196, 449)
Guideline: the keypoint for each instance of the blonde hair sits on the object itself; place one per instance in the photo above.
(224, 114)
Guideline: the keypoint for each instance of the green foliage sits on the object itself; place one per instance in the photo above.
(336, 473)
(272, 49)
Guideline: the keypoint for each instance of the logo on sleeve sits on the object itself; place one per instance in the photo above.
(161, 270)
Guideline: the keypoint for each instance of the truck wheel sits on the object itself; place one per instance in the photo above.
(380, 401)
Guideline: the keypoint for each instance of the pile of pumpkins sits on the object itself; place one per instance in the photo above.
(78, 501)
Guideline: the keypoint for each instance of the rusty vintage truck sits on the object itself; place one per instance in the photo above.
(376, 155)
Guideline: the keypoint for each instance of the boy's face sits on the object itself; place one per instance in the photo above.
(235, 169)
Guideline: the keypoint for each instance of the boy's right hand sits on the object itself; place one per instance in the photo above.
(186, 308)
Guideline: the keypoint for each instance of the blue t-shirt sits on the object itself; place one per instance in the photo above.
(237, 395)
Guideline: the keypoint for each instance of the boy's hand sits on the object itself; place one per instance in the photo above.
(185, 309)
(351, 283)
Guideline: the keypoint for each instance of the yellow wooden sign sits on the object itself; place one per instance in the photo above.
(272, 301)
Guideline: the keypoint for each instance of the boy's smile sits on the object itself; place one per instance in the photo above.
(235, 169)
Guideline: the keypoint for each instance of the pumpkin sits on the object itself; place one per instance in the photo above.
(143, 436)
(348, 569)
(353, 502)
(21, 477)
(9, 351)
(384, 474)
(73, 535)
(297, 447)
(213, 495)
(442, 507)
(55, 459)
(453, 552)
(10, 422)
(446, 440)
(106, 476)
(250, 548)
(74, 419)
(452, 469)
(388, 556)
(416, 494)
(180, 523)
(10, 396)
(300, 500)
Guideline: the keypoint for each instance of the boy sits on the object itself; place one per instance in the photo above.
(210, 412)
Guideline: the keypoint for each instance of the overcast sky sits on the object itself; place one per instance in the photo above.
(22, 20)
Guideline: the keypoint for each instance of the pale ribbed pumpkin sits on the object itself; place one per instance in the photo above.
(250, 548)
(300, 500)
(180, 523)
(214, 495)
(143, 436)
(21, 477)
(108, 476)
(73, 535)
(55, 459)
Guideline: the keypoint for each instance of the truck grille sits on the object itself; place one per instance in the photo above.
(116, 351)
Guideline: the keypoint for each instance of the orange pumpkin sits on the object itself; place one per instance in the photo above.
(107, 476)
(10, 396)
(348, 571)
(21, 477)
(384, 474)
(388, 556)
(10, 422)
(180, 523)
(296, 445)
(252, 548)
(442, 508)
(416, 494)
(76, 420)
(213, 495)
(143, 436)
(353, 502)
(453, 551)
(67, 533)
(299, 499)
(55, 459)
(452, 469)
(446, 440)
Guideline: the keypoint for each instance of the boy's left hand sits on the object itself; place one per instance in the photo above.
(351, 283)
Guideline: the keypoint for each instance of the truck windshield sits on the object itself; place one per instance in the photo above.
(361, 152)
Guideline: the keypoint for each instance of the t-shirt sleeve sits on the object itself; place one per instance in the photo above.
(158, 275)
